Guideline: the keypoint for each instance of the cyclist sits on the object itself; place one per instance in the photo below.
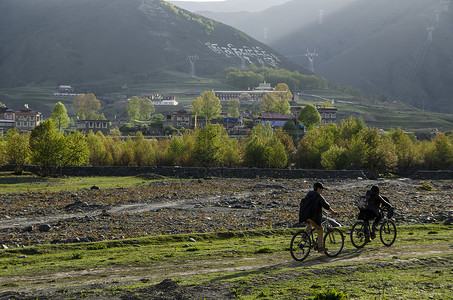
(311, 212)
(372, 210)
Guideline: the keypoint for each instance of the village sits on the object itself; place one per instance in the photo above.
(174, 116)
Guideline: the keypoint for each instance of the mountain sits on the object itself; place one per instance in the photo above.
(227, 5)
(401, 49)
(115, 42)
(270, 24)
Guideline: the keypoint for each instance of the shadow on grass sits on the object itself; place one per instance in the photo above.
(9, 178)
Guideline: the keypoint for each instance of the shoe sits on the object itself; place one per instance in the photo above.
(372, 234)
(322, 250)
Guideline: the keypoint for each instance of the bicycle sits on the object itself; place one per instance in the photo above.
(361, 231)
(302, 242)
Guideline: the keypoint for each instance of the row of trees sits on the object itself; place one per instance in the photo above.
(330, 147)
(252, 76)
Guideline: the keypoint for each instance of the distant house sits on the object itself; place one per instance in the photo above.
(274, 119)
(178, 119)
(26, 119)
(166, 101)
(256, 94)
(7, 117)
(64, 90)
(328, 114)
(93, 125)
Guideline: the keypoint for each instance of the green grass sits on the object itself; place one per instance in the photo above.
(256, 264)
(10, 183)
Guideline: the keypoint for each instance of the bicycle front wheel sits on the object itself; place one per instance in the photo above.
(358, 234)
(300, 245)
(387, 233)
(334, 242)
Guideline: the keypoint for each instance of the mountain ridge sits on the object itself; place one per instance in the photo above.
(117, 42)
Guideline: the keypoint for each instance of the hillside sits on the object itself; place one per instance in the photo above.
(400, 49)
(116, 42)
(270, 24)
(404, 53)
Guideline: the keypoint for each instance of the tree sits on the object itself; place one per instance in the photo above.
(47, 147)
(233, 108)
(140, 109)
(207, 105)
(18, 150)
(99, 154)
(264, 149)
(3, 152)
(60, 116)
(86, 106)
(208, 143)
(278, 101)
(52, 150)
(309, 116)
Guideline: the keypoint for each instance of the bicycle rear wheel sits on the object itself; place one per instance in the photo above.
(358, 234)
(300, 245)
(387, 233)
(334, 242)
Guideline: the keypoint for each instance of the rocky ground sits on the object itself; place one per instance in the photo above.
(206, 205)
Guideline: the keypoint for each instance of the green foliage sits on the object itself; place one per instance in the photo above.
(426, 186)
(139, 109)
(405, 148)
(99, 154)
(264, 250)
(208, 144)
(207, 105)
(205, 23)
(264, 149)
(277, 101)
(309, 116)
(17, 150)
(290, 129)
(3, 153)
(250, 78)
(440, 152)
(86, 106)
(233, 108)
(336, 158)
(77, 255)
(330, 295)
(52, 150)
(60, 116)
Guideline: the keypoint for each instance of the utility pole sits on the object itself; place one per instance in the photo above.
(192, 59)
(321, 16)
(266, 33)
(430, 33)
(310, 57)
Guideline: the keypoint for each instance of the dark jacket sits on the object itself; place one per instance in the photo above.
(311, 207)
(375, 201)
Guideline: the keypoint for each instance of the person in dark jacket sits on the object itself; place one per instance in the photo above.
(311, 212)
(372, 210)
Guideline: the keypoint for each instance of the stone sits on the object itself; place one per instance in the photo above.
(44, 227)
(192, 240)
(28, 229)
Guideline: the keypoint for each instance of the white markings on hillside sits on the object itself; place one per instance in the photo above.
(251, 55)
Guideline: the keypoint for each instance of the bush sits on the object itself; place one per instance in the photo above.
(330, 295)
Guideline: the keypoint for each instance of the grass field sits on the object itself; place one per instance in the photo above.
(32, 183)
(252, 265)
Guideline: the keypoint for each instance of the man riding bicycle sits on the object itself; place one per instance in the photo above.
(311, 212)
(372, 209)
